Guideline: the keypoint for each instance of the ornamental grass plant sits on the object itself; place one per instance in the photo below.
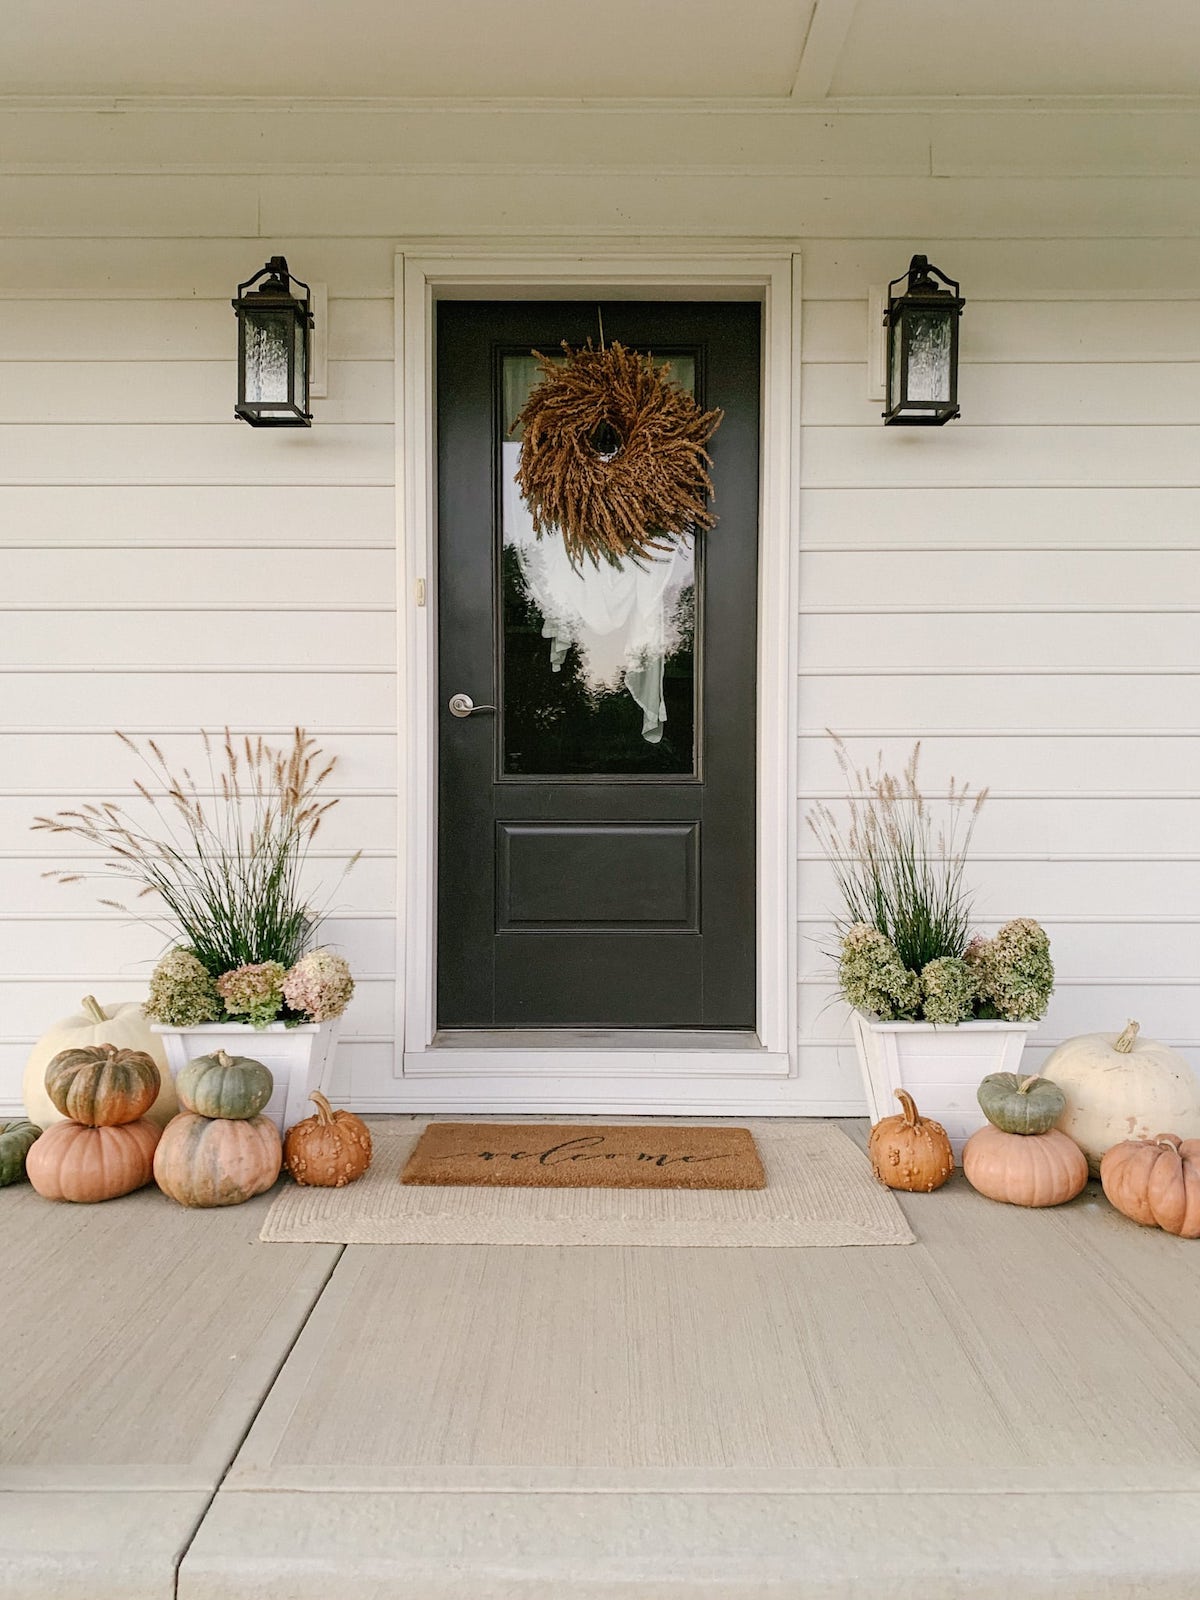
(899, 868)
(223, 858)
(905, 948)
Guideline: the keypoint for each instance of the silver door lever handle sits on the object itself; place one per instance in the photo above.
(461, 705)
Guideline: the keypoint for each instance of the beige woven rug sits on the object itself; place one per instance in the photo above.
(820, 1191)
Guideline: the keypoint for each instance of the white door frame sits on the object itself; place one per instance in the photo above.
(594, 1073)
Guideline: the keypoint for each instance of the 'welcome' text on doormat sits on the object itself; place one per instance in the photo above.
(584, 1156)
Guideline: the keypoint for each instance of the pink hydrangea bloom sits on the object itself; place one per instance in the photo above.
(319, 985)
(254, 991)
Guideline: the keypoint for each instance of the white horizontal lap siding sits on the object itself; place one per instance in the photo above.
(168, 568)
(1021, 590)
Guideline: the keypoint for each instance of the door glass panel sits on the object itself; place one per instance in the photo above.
(597, 663)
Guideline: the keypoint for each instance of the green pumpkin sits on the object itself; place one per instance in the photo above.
(1016, 1104)
(15, 1141)
(233, 1088)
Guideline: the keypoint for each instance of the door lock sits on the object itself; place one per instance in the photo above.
(461, 705)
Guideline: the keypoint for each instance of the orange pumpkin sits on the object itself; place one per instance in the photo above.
(102, 1084)
(1024, 1169)
(910, 1151)
(1155, 1182)
(217, 1161)
(73, 1161)
(328, 1150)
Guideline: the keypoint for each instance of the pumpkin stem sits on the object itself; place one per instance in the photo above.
(222, 1059)
(1168, 1141)
(1024, 1088)
(324, 1109)
(911, 1115)
(1124, 1044)
(93, 1008)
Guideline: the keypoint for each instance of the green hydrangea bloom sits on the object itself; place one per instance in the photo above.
(873, 977)
(949, 989)
(1014, 970)
(182, 992)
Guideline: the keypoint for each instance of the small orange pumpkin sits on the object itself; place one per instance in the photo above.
(102, 1084)
(73, 1161)
(1025, 1169)
(328, 1150)
(1155, 1182)
(910, 1151)
(217, 1161)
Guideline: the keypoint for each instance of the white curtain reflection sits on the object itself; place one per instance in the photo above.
(623, 621)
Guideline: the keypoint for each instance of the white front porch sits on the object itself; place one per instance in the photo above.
(1007, 1407)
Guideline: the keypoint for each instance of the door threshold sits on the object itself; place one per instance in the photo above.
(503, 1061)
(657, 1039)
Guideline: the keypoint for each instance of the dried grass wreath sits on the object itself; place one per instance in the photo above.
(613, 455)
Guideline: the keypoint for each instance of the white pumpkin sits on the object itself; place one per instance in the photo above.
(1120, 1086)
(124, 1025)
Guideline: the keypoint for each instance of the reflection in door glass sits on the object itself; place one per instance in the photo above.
(598, 662)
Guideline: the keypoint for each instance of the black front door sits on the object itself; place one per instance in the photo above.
(596, 829)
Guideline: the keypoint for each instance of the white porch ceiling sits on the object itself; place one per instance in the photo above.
(602, 49)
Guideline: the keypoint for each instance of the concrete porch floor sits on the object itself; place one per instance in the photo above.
(1009, 1407)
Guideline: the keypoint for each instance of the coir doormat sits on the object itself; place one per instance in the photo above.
(584, 1156)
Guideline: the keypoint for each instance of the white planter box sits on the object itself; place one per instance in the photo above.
(940, 1066)
(298, 1058)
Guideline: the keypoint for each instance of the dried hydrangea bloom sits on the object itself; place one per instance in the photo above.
(1015, 972)
(949, 990)
(182, 992)
(254, 991)
(319, 985)
(873, 977)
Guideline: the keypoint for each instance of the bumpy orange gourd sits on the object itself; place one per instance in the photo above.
(72, 1161)
(328, 1150)
(1155, 1182)
(910, 1151)
(217, 1161)
(102, 1084)
(1024, 1169)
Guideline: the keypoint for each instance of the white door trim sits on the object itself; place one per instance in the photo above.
(488, 1078)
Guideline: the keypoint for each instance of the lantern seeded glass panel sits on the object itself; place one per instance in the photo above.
(598, 662)
(269, 337)
(300, 360)
(929, 355)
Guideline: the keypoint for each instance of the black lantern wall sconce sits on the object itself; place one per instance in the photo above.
(274, 349)
(922, 346)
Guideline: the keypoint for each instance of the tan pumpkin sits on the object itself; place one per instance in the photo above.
(328, 1150)
(1155, 1182)
(72, 1161)
(125, 1026)
(102, 1085)
(1024, 1169)
(910, 1151)
(217, 1161)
